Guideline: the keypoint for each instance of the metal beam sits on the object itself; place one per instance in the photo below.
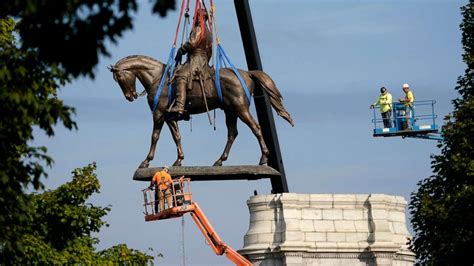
(262, 103)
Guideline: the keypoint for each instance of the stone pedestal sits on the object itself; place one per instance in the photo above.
(327, 229)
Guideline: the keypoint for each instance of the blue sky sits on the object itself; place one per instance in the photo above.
(328, 58)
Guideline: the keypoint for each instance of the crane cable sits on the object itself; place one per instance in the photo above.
(182, 241)
(169, 68)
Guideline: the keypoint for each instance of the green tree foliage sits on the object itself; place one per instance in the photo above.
(72, 34)
(27, 99)
(443, 207)
(54, 42)
(60, 225)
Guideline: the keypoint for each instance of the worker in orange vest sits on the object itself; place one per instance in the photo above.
(163, 182)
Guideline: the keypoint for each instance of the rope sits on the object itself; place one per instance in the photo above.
(221, 59)
(179, 21)
(163, 78)
(170, 62)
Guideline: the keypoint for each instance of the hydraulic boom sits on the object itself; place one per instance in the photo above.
(182, 203)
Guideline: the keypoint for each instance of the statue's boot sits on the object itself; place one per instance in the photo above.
(180, 98)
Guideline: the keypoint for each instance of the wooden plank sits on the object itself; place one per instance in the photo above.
(212, 173)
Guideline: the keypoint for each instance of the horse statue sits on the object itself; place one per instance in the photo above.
(235, 104)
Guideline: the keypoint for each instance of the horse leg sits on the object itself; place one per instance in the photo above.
(173, 126)
(157, 125)
(231, 122)
(247, 118)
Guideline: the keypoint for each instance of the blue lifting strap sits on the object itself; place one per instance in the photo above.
(166, 73)
(221, 58)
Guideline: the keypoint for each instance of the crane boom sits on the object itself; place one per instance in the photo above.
(182, 204)
(213, 238)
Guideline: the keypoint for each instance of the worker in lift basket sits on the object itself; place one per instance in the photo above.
(385, 103)
(162, 180)
(409, 99)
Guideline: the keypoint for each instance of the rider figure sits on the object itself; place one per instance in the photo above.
(199, 50)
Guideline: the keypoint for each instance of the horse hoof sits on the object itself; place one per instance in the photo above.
(144, 165)
(263, 161)
(177, 163)
(218, 163)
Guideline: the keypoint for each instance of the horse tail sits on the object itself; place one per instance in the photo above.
(274, 94)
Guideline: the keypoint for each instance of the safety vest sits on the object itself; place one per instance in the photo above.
(162, 179)
(385, 102)
(409, 98)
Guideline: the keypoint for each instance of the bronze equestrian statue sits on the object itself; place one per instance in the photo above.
(235, 104)
(194, 91)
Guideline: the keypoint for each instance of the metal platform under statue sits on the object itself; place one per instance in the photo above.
(213, 173)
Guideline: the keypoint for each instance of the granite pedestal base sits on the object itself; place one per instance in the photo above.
(327, 229)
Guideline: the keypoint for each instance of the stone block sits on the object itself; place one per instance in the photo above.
(400, 228)
(291, 214)
(324, 226)
(361, 198)
(383, 236)
(349, 198)
(250, 239)
(321, 201)
(344, 201)
(304, 200)
(315, 237)
(353, 214)
(336, 237)
(293, 236)
(357, 237)
(260, 227)
(396, 216)
(344, 226)
(378, 214)
(265, 215)
(292, 224)
(348, 247)
(271, 238)
(332, 214)
(363, 226)
(307, 225)
(311, 214)
(381, 225)
(289, 199)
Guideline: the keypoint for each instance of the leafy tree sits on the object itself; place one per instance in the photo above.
(443, 207)
(61, 223)
(54, 42)
(73, 33)
(28, 98)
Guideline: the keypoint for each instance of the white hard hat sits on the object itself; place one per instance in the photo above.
(405, 86)
(166, 167)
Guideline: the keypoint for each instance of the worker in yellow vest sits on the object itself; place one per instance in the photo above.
(409, 99)
(385, 103)
(163, 182)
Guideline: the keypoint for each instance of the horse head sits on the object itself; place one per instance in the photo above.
(126, 80)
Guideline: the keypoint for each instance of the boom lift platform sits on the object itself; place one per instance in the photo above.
(414, 121)
(182, 204)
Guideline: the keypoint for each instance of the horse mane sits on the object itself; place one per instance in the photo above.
(137, 60)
